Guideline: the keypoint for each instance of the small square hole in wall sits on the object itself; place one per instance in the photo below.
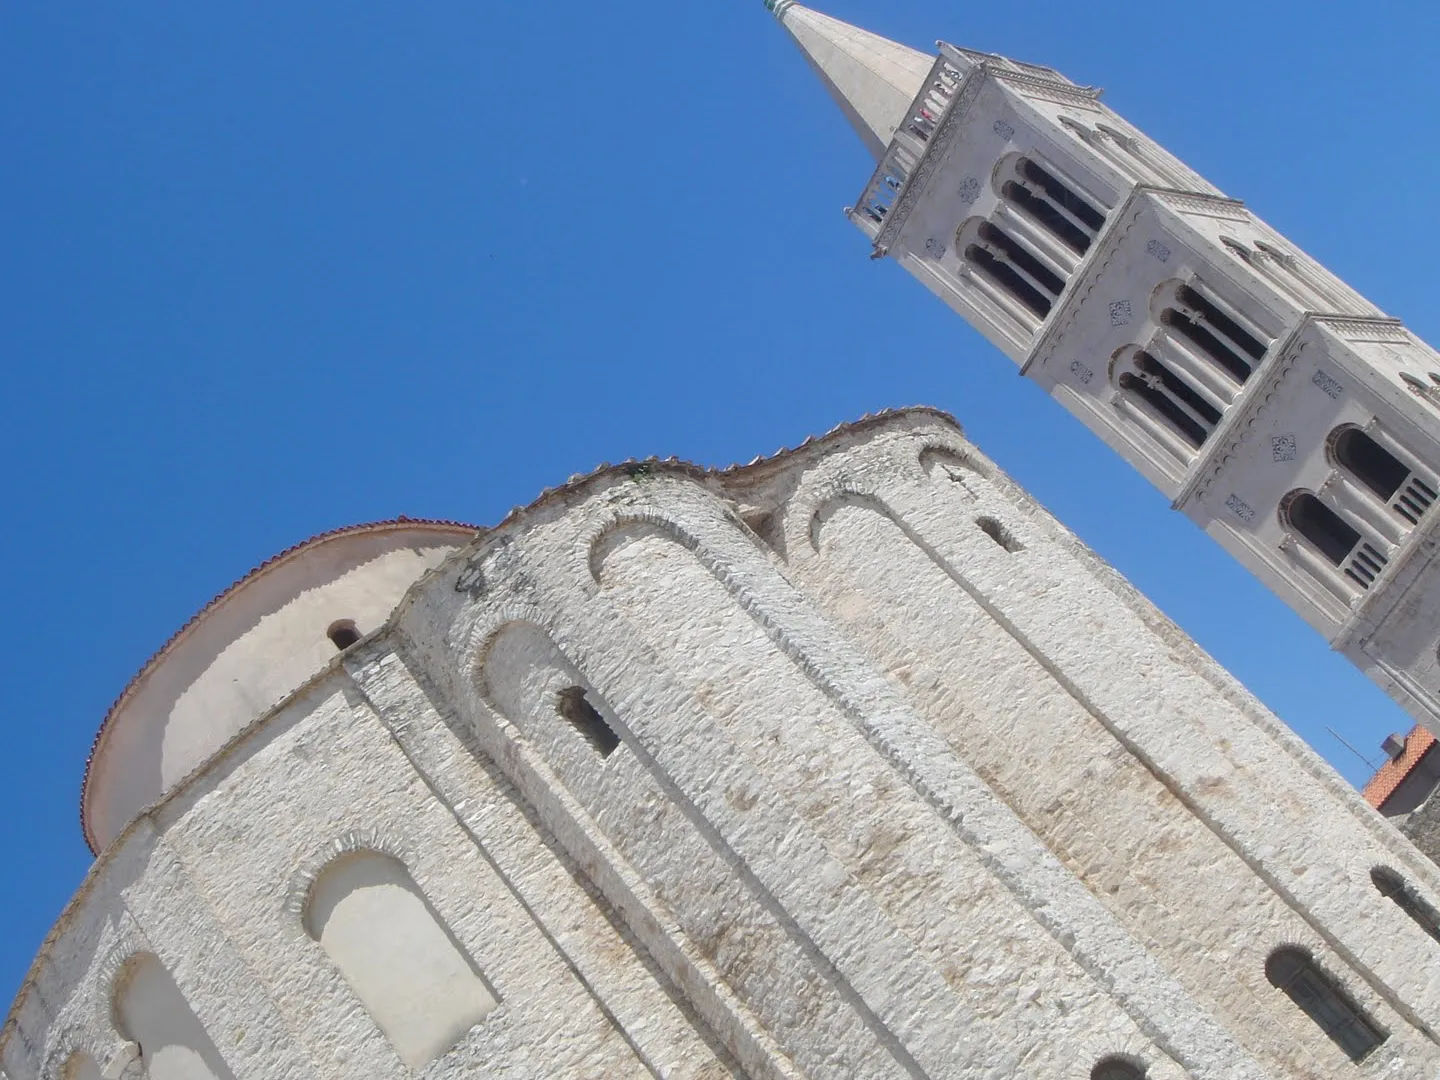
(572, 704)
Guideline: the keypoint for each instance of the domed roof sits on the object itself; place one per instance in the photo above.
(258, 641)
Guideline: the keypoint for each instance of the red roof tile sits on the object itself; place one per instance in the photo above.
(1393, 773)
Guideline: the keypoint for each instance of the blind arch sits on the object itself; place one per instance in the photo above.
(397, 955)
(152, 1012)
(80, 1066)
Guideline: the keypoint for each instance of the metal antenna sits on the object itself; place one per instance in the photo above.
(1362, 757)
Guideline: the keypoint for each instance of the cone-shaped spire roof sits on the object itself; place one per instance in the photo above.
(873, 79)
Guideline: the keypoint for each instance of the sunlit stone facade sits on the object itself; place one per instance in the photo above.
(848, 763)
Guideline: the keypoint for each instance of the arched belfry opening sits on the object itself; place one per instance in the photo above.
(1326, 531)
(1368, 462)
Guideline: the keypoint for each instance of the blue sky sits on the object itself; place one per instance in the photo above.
(271, 268)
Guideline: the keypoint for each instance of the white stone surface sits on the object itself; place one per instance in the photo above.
(254, 644)
(908, 784)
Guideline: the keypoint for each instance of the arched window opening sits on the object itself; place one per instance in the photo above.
(1014, 269)
(1174, 400)
(586, 719)
(1117, 1068)
(1367, 461)
(1053, 205)
(343, 634)
(1312, 991)
(1215, 333)
(396, 954)
(1326, 530)
(153, 1014)
(1394, 888)
(997, 532)
(1383, 473)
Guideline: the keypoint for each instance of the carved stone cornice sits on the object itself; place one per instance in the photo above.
(1050, 89)
(931, 158)
(1197, 202)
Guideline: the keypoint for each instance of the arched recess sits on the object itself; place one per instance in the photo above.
(80, 1066)
(151, 1011)
(1117, 1068)
(396, 953)
(945, 462)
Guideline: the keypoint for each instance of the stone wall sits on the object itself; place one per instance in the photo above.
(849, 763)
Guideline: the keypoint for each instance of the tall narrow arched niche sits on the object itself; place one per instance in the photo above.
(80, 1066)
(414, 979)
(153, 1013)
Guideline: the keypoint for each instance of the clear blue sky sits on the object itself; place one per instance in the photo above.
(269, 268)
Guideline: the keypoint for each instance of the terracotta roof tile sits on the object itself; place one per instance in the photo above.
(1393, 773)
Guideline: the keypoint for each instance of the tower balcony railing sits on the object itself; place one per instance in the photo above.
(927, 113)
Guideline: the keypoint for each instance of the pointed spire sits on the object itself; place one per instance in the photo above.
(871, 78)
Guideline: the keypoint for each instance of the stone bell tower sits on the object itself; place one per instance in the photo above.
(1281, 411)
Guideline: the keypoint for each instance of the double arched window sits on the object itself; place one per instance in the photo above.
(1148, 380)
(1029, 281)
(1295, 972)
(1130, 156)
(1041, 196)
(1194, 366)
(1362, 512)
(1021, 255)
(1337, 538)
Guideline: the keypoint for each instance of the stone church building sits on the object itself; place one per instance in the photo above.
(848, 763)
